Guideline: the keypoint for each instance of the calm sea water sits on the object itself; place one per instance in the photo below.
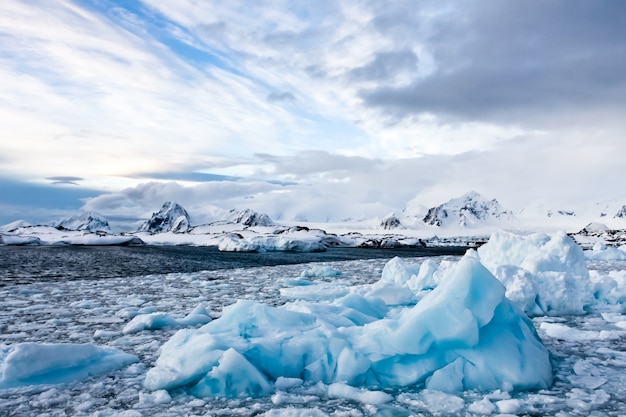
(24, 264)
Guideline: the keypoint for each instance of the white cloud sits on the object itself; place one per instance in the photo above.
(341, 98)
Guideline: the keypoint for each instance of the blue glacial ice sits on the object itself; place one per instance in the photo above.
(463, 335)
(43, 363)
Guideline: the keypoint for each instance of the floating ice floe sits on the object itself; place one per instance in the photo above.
(320, 271)
(463, 335)
(41, 363)
(600, 252)
(156, 320)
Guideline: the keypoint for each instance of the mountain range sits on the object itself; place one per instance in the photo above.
(471, 211)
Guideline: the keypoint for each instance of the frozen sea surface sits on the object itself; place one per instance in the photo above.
(588, 351)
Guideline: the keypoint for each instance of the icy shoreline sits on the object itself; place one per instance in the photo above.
(232, 238)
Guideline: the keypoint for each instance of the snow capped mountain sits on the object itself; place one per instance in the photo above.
(14, 225)
(88, 221)
(570, 213)
(621, 213)
(573, 217)
(391, 222)
(171, 218)
(249, 217)
(469, 210)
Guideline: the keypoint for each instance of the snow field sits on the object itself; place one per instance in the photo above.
(586, 348)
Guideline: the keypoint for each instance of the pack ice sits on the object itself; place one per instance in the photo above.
(463, 335)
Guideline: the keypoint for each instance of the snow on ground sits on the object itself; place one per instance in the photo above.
(47, 235)
(233, 238)
(588, 353)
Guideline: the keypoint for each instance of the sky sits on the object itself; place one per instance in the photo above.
(308, 110)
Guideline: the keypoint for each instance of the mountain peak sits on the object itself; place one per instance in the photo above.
(88, 221)
(171, 218)
(250, 217)
(391, 222)
(468, 210)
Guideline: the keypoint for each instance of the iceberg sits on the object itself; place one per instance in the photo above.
(463, 335)
(235, 242)
(40, 363)
(543, 274)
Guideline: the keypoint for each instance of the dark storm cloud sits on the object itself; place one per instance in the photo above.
(517, 62)
(386, 65)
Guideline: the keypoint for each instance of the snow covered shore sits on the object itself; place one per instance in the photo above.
(392, 344)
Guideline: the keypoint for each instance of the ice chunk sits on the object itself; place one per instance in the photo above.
(235, 242)
(483, 407)
(320, 271)
(35, 363)
(316, 292)
(611, 288)
(233, 376)
(398, 272)
(339, 390)
(563, 332)
(602, 253)
(463, 335)
(416, 277)
(543, 274)
(150, 321)
(434, 402)
(510, 406)
(295, 412)
(468, 318)
(153, 321)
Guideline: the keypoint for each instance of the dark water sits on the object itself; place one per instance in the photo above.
(24, 264)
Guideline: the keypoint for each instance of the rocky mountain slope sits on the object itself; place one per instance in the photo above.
(88, 222)
(171, 218)
(471, 209)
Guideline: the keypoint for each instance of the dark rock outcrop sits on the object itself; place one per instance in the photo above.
(171, 218)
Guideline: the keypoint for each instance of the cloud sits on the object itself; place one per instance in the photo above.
(514, 64)
(40, 203)
(386, 66)
(65, 180)
(335, 108)
(282, 96)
